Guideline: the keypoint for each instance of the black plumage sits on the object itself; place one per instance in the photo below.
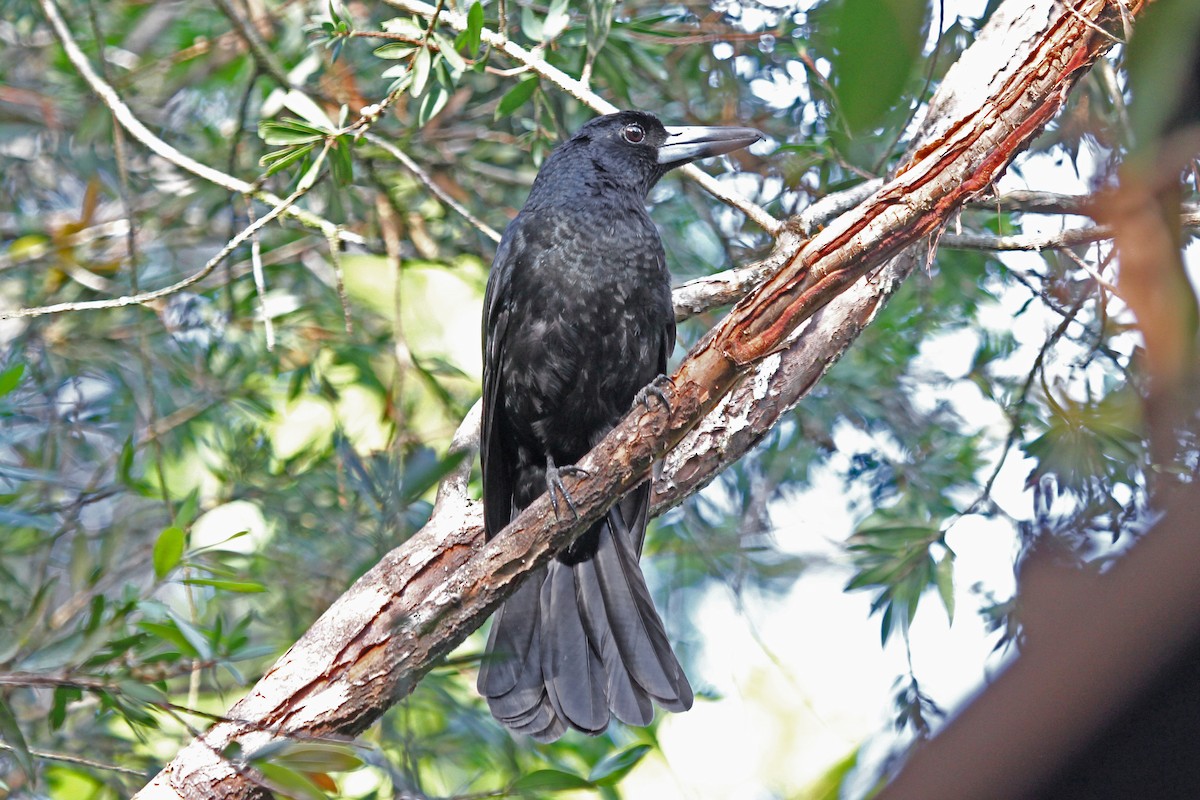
(577, 320)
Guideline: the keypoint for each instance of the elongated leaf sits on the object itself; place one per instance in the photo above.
(10, 731)
(474, 26)
(307, 108)
(421, 65)
(11, 377)
(944, 577)
(291, 783)
(516, 97)
(168, 551)
(549, 780)
(395, 50)
(431, 104)
(317, 757)
(288, 131)
(242, 587)
(618, 765)
(278, 159)
(450, 56)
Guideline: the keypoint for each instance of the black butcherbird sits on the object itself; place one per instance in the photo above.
(578, 319)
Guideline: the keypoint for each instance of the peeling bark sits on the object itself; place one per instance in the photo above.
(376, 641)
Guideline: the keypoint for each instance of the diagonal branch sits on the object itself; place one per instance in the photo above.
(425, 597)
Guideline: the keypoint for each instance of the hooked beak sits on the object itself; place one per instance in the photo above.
(689, 143)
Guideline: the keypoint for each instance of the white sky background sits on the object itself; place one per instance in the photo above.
(803, 681)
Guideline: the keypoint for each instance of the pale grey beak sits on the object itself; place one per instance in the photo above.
(689, 143)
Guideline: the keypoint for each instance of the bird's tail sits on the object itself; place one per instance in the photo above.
(580, 641)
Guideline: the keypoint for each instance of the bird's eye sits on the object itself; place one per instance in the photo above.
(633, 134)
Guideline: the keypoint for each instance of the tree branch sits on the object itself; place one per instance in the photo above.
(374, 644)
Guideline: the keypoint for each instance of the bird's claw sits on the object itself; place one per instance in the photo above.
(554, 485)
(656, 388)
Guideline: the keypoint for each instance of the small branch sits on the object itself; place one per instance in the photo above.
(583, 94)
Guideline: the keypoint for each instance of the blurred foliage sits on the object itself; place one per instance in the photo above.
(182, 492)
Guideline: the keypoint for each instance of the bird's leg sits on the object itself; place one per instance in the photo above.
(554, 484)
(657, 389)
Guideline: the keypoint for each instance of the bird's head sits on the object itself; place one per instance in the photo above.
(633, 149)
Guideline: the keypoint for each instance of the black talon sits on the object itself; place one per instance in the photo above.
(554, 485)
(656, 388)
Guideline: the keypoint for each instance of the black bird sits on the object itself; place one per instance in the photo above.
(577, 320)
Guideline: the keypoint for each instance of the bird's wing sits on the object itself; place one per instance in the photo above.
(497, 473)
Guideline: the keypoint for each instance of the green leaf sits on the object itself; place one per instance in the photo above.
(290, 783)
(186, 514)
(168, 551)
(451, 57)
(11, 377)
(549, 780)
(516, 97)
(315, 756)
(288, 131)
(125, 461)
(617, 766)
(944, 577)
(599, 22)
(431, 104)
(278, 159)
(242, 587)
(422, 64)
(394, 50)
(193, 635)
(341, 162)
(10, 731)
(474, 27)
(63, 696)
(300, 103)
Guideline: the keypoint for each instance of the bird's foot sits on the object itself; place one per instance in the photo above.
(657, 389)
(554, 485)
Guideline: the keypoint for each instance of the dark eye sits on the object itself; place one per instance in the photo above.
(633, 134)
